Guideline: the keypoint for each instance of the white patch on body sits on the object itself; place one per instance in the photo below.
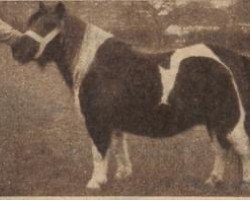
(238, 137)
(168, 76)
(219, 162)
(124, 166)
(94, 37)
(99, 174)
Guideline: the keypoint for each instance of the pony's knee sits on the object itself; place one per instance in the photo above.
(101, 137)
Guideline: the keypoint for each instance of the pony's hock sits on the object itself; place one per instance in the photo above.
(122, 90)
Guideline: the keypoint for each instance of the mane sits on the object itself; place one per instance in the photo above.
(82, 42)
(73, 37)
(72, 40)
(34, 17)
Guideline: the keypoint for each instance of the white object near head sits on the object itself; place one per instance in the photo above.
(43, 41)
(8, 34)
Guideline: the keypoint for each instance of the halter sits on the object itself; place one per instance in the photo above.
(43, 41)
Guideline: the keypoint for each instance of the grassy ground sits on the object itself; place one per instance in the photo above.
(45, 148)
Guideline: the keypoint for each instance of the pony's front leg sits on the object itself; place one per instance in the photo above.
(124, 166)
(100, 164)
(101, 138)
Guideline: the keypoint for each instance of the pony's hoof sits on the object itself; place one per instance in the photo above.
(93, 185)
(123, 173)
(213, 181)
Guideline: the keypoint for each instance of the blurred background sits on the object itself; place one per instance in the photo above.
(156, 23)
(44, 146)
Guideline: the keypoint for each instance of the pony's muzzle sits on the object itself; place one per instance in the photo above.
(24, 49)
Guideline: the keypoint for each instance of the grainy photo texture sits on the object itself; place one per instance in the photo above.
(125, 98)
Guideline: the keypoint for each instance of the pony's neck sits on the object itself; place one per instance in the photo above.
(72, 40)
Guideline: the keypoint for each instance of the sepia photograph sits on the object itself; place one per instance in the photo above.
(125, 98)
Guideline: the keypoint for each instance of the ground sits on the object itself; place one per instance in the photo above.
(45, 148)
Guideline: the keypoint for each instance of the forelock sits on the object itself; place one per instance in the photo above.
(34, 18)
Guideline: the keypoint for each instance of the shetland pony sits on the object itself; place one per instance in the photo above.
(119, 89)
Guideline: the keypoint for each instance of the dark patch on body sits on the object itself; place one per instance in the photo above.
(122, 91)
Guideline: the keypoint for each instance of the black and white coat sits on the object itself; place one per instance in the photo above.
(202, 85)
(119, 89)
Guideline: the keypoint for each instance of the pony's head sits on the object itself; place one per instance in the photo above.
(43, 38)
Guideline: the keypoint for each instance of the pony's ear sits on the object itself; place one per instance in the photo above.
(42, 7)
(60, 10)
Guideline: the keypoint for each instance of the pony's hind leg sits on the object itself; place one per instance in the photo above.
(100, 150)
(220, 155)
(124, 166)
(240, 142)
